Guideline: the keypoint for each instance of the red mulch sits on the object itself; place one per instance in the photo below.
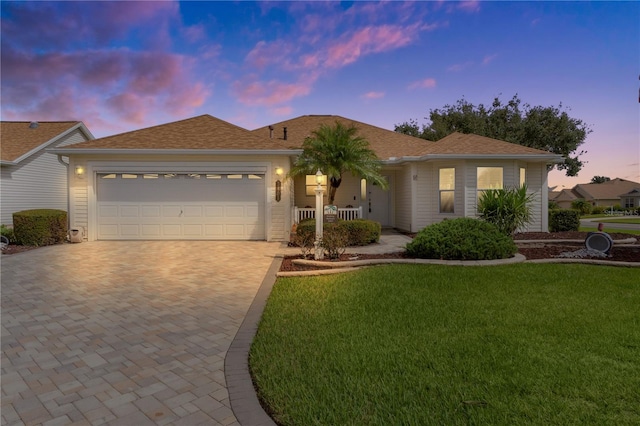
(546, 249)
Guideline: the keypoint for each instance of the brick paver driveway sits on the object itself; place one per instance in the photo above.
(127, 333)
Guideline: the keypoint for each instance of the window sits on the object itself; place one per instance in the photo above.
(129, 176)
(489, 178)
(523, 176)
(258, 177)
(150, 176)
(234, 176)
(447, 185)
(628, 203)
(311, 184)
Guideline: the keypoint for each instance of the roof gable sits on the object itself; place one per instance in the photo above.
(19, 138)
(608, 190)
(203, 132)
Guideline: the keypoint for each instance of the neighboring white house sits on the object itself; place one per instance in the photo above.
(32, 178)
(204, 178)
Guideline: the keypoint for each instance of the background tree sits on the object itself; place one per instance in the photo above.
(600, 179)
(547, 128)
(336, 150)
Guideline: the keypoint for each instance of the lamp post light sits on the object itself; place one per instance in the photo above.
(319, 252)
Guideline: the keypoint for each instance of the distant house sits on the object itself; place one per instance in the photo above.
(631, 199)
(204, 178)
(614, 192)
(31, 177)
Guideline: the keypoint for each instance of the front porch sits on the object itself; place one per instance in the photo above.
(347, 213)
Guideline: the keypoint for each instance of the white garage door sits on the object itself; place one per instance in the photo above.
(180, 206)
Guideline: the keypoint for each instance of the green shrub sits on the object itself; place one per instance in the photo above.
(359, 232)
(564, 220)
(508, 209)
(597, 210)
(7, 232)
(334, 241)
(461, 239)
(553, 205)
(581, 205)
(41, 227)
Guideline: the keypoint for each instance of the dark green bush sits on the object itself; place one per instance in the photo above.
(564, 220)
(461, 239)
(41, 227)
(597, 210)
(582, 205)
(359, 232)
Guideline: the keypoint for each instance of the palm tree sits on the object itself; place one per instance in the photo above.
(336, 150)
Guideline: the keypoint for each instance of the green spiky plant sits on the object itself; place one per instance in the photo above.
(508, 209)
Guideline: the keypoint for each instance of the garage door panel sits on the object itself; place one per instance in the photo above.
(214, 211)
(180, 206)
(151, 211)
(151, 230)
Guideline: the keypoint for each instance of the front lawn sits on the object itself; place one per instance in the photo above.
(416, 344)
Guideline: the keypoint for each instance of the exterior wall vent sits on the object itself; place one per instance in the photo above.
(33, 125)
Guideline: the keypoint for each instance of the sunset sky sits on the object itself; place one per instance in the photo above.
(119, 66)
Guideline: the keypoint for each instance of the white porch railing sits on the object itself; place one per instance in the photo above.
(350, 213)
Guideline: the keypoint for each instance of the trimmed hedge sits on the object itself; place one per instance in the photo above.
(462, 239)
(40, 227)
(564, 220)
(359, 232)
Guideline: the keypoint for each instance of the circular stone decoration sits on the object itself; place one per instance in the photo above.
(599, 241)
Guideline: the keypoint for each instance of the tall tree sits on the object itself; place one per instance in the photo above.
(547, 128)
(600, 179)
(336, 150)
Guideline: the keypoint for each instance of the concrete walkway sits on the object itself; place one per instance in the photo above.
(124, 333)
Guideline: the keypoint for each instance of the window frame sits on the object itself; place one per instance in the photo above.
(449, 191)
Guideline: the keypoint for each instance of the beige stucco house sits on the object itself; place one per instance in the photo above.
(204, 178)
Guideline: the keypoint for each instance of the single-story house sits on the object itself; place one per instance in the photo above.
(204, 178)
(631, 199)
(606, 194)
(31, 177)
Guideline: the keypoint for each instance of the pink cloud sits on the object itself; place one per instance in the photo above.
(427, 83)
(269, 93)
(282, 111)
(469, 6)
(489, 58)
(369, 40)
(373, 95)
(460, 67)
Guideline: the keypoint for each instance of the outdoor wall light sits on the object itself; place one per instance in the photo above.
(79, 171)
(279, 171)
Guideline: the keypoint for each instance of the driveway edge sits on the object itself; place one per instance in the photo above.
(242, 395)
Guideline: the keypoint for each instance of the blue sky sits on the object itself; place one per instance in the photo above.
(119, 66)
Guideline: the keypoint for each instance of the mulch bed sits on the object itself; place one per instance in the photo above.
(545, 249)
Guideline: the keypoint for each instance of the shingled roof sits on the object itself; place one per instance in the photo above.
(470, 144)
(18, 138)
(608, 190)
(203, 132)
(385, 143)
(391, 146)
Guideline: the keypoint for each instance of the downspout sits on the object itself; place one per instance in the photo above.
(66, 165)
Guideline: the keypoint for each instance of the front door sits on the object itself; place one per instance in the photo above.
(377, 205)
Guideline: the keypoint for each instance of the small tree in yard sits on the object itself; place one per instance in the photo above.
(336, 150)
(581, 205)
(507, 209)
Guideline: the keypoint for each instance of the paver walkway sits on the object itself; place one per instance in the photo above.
(124, 333)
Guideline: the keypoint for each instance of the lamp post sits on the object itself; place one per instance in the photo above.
(319, 252)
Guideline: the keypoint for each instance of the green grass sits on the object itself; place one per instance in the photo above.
(635, 220)
(421, 345)
(610, 230)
